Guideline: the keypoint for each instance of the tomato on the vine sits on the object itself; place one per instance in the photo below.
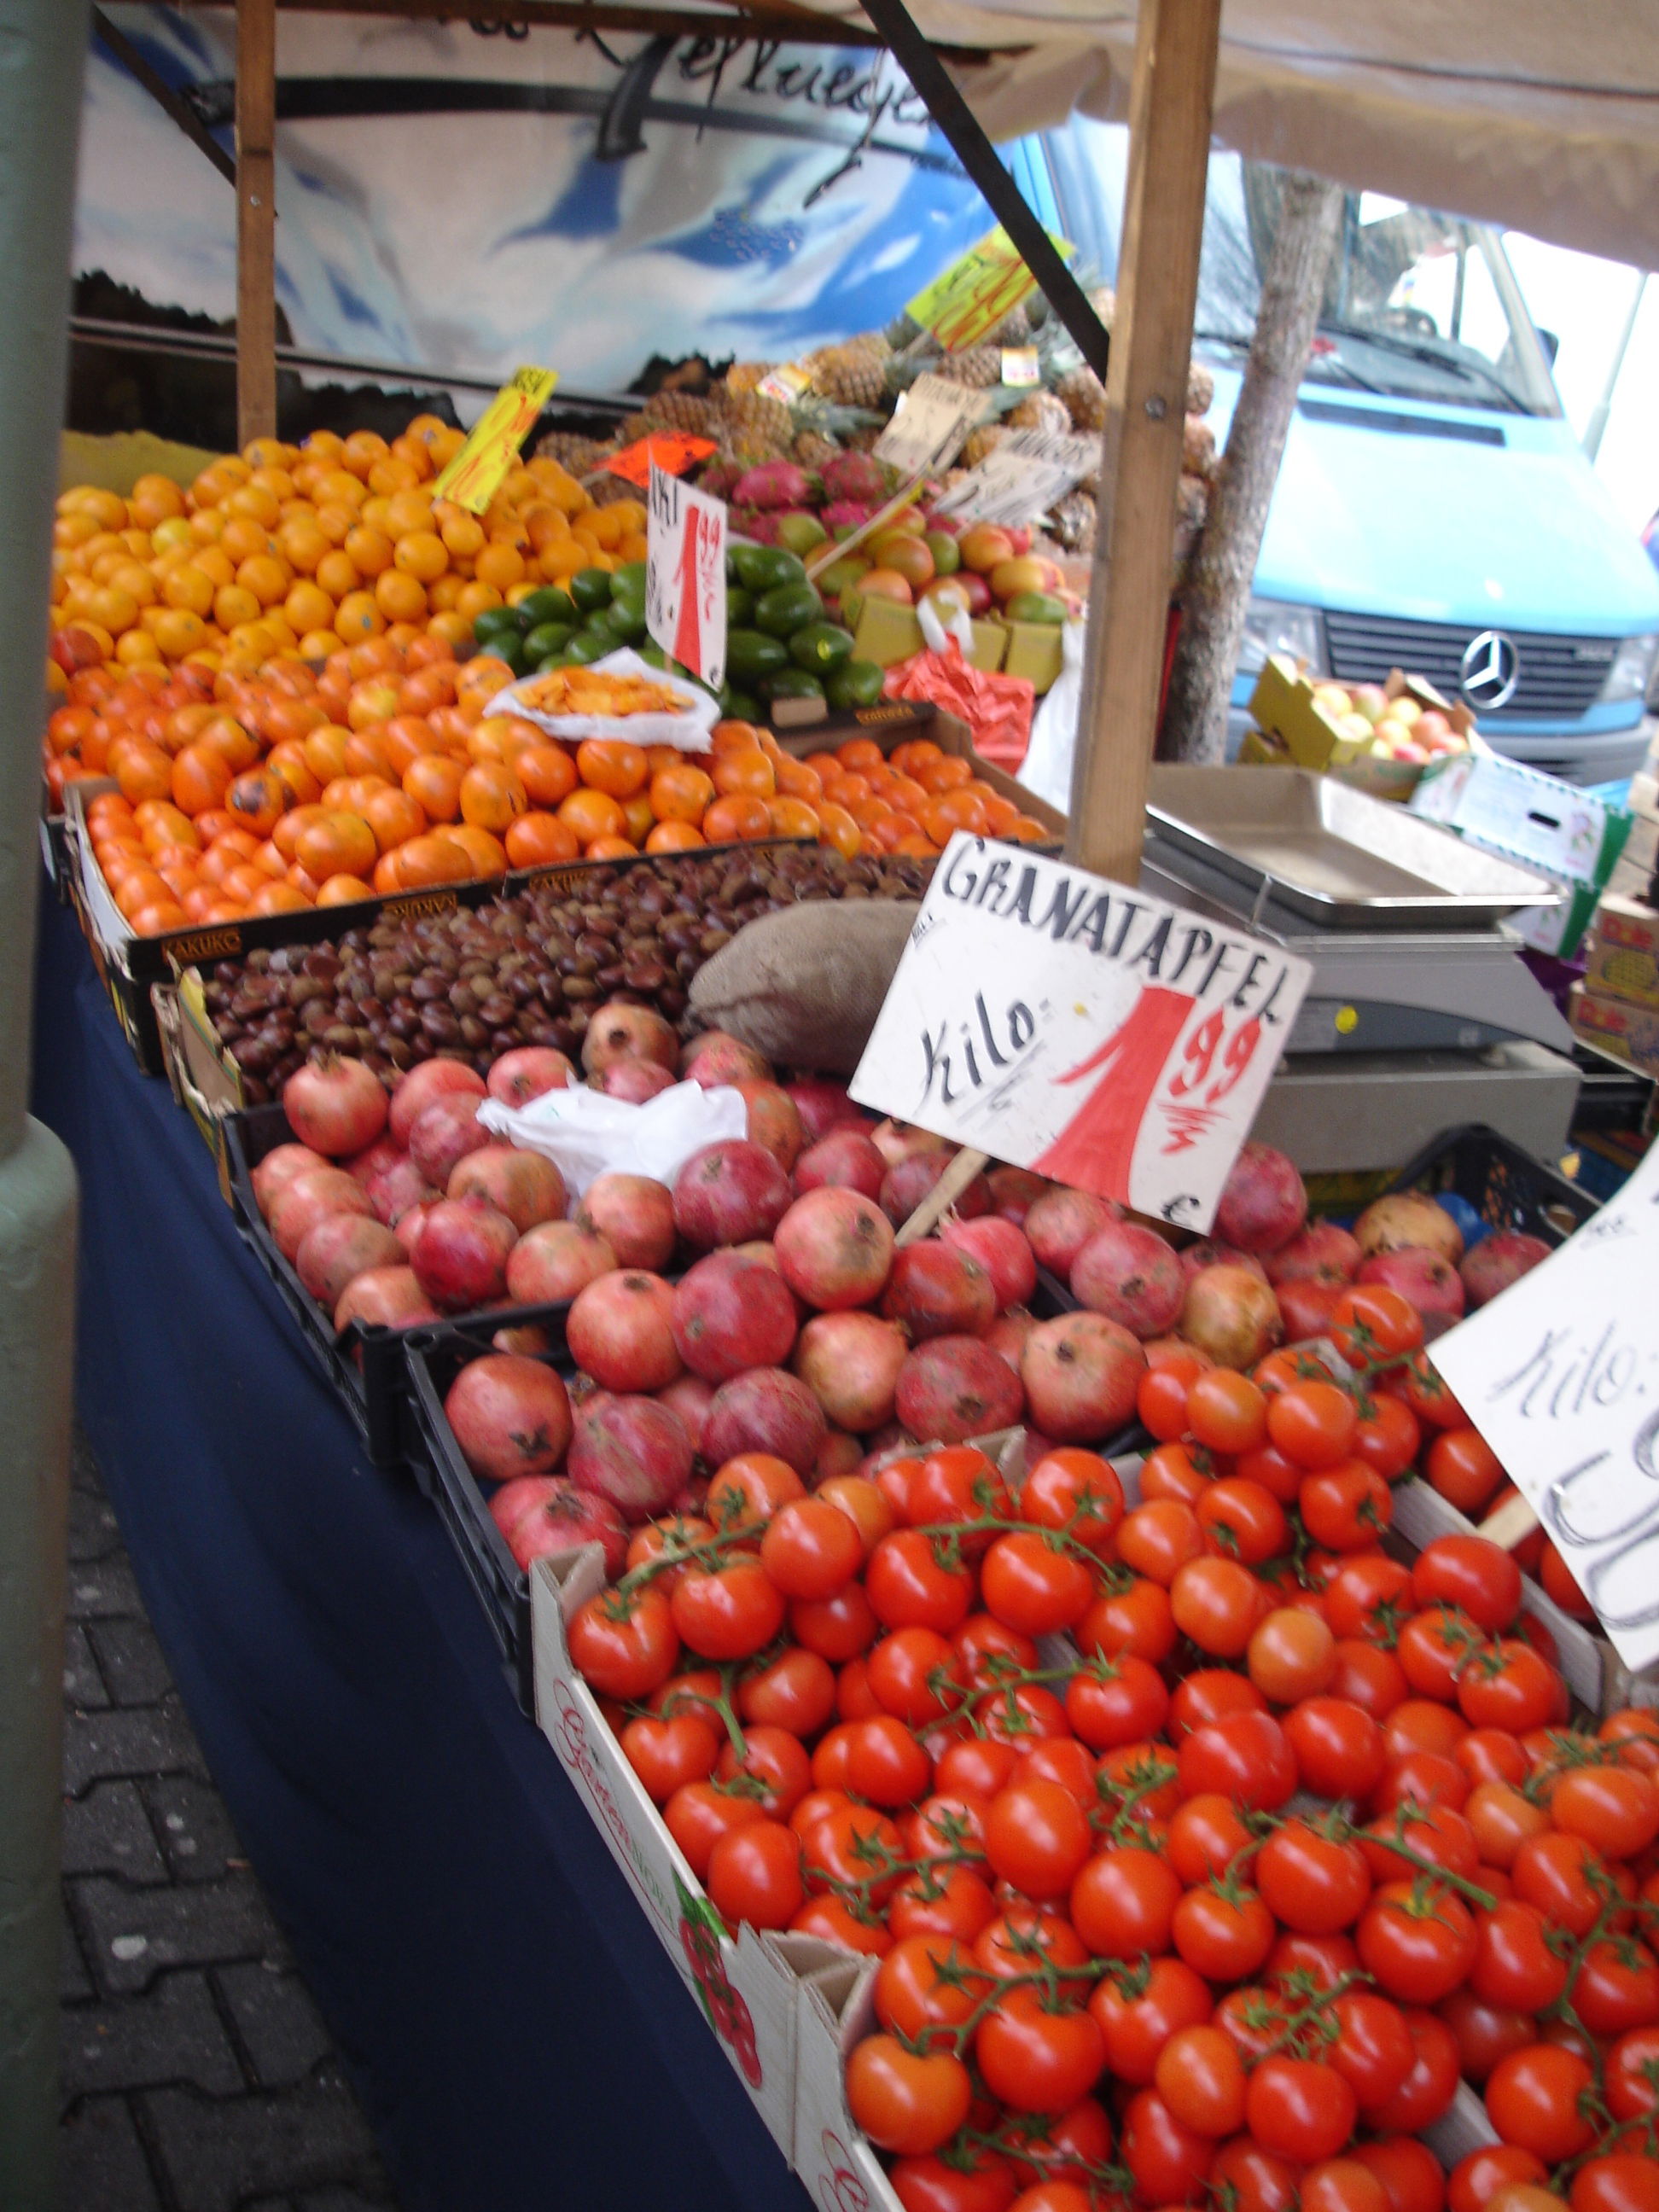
(1226, 1412)
(1075, 1490)
(664, 1753)
(1373, 2049)
(795, 1691)
(1170, 2163)
(1034, 1583)
(1115, 1701)
(1298, 2109)
(729, 1612)
(903, 2100)
(1035, 2057)
(1372, 1324)
(907, 1586)
(1313, 1423)
(1167, 1996)
(1200, 2077)
(1222, 1933)
(1121, 1902)
(1312, 1882)
(1535, 2098)
(776, 1763)
(754, 1875)
(1037, 1837)
(625, 1645)
(1418, 1939)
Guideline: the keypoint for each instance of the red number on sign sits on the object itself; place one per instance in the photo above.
(1198, 1054)
(1241, 1051)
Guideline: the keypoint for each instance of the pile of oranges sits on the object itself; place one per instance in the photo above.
(305, 548)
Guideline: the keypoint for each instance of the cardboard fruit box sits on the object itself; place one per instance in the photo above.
(897, 722)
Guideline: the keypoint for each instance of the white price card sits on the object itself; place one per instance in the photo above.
(1560, 1374)
(1021, 477)
(934, 417)
(686, 575)
(1075, 1026)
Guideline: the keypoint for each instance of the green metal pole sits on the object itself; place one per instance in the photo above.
(42, 47)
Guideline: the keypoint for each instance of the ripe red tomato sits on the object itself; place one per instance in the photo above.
(754, 1875)
(1534, 2099)
(1137, 1620)
(1367, 1676)
(927, 1983)
(1022, 1937)
(1035, 2059)
(1121, 1901)
(1633, 2074)
(1476, 2178)
(664, 1753)
(1434, 1832)
(1618, 1987)
(1313, 1963)
(1244, 1756)
(728, 1613)
(1161, 1396)
(1342, 2184)
(1472, 1573)
(1465, 1469)
(1484, 2033)
(1347, 1507)
(1420, 1383)
(1114, 1701)
(1210, 1694)
(1429, 2087)
(930, 2184)
(1222, 1936)
(1371, 1323)
(1226, 1412)
(796, 1691)
(976, 1767)
(906, 1587)
(1034, 1585)
(1077, 1490)
(1069, 2148)
(1551, 1871)
(776, 1762)
(1136, 2028)
(856, 1847)
(1622, 2181)
(1313, 1423)
(1206, 1835)
(1243, 1520)
(1200, 2077)
(1299, 2110)
(1311, 1882)
(954, 1484)
(1169, 2163)
(700, 1812)
(1292, 1655)
(1388, 1435)
(1418, 1940)
(1515, 1963)
(885, 1765)
(1373, 2049)
(1338, 1748)
(837, 1628)
(1037, 1837)
(1250, 2179)
(832, 1921)
(1433, 1648)
(1158, 1539)
(1409, 2172)
(913, 1675)
(1614, 1807)
(810, 1549)
(625, 1646)
(1216, 1603)
(949, 1900)
(905, 2101)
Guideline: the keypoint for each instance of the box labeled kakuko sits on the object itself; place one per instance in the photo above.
(1624, 951)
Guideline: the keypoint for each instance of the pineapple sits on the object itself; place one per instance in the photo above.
(812, 450)
(1074, 521)
(984, 441)
(1041, 411)
(757, 425)
(1103, 301)
(578, 455)
(1200, 388)
(744, 375)
(680, 411)
(1083, 397)
(1014, 329)
(977, 366)
(854, 374)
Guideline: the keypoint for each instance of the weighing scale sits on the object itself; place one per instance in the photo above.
(1421, 1014)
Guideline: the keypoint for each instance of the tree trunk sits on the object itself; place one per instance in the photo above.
(1219, 590)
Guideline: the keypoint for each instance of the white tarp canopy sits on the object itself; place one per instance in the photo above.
(1542, 115)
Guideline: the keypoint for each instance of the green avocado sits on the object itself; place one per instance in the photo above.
(739, 608)
(1036, 607)
(763, 568)
(786, 608)
(750, 654)
(739, 705)
(820, 645)
(591, 588)
(791, 684)
(854, 683)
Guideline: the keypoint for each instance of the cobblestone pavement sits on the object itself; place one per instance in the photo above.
(197, 2074)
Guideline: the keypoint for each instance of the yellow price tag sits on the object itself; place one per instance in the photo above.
(479, 469)
(971, 298)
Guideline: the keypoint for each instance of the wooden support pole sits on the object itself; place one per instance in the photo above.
(256, 220)
(1169, 111)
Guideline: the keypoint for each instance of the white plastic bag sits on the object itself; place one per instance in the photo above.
(688, 730)
(1047, 767)
(585, 1134)
(936, 630)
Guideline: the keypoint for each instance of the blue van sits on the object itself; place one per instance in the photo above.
(1434, 511)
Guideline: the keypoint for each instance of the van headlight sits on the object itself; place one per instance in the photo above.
(1282, 626)
(1632, 665)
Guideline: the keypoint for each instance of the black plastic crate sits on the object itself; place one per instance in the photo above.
(373, 1390)
(1506, 1187)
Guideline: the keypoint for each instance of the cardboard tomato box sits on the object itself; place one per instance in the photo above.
(747, 1988)
(895, 722)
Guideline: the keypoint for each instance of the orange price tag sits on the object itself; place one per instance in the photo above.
(672, 451)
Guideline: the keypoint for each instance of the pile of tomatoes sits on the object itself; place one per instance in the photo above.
(1217, 1898)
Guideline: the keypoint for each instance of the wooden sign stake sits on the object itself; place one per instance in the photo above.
(256, 220)
(944, 1196)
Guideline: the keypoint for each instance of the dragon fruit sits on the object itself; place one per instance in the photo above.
(750, 522)
(773, 484)
(845, 513)
(855, 477)
(721, 477)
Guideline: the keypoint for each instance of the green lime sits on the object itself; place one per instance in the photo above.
(552, 660)
(549, 604)
(628, 582)
(546, 637)
(494, 622)
(591, 588)
(626, 620)
(587, 647)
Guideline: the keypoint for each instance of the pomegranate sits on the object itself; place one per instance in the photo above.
(410, 1223)
(774, 1121)
(618, 1331)
(953, 1388)
(1305, 1306)
(765, 1410)
(1002, 1249)
(278, 1168)
(938, 1290)
(340, 1246)
(447, 1132)
(634, 1081)
(528, 1337)
(394, 1189)
(909, 1181)
(523, 1186)
(634, 1214)
(307, 1199)
(1406, 1218)
(1014, 1192)
(510, 1416)
(385, 1298)
(1432, 1285)
(552, 1261)
(728, 1193)
(731, 1312)
(432, 1080)
(519, 1077)
(1232, 1315)
(1131, 1276)
(896, 1141)
(846, 1158)
(1206, 1253)
(850, 1362)
(690, 1397)
(1321, 1253)
(834, 1248)
(336, 1106)
(1497, 1261)
(373, 1160)
(1263, 1201)
(840, 1455)
(624, 1032)
(715, 1058)
(632, 1450)
(1060, 1223)
(543, 1516)
(1081, 1372)
(1007, 1333)
(823, 1105)
(459, 1258)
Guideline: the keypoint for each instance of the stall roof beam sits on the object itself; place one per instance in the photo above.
(162, 93)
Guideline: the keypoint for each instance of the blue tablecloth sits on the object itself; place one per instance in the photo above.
(517, 2036)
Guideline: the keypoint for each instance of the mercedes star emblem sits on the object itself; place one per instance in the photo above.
(1491, 671)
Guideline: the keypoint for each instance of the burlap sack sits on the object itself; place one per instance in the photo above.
(805, 987)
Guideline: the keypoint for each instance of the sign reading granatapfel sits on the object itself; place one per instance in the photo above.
(1080, 1028)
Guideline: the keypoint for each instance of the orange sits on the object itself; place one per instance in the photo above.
(1029, 831)
(537, 840)
(369, 549)
(177, 631)
(358, 617)
(444, 595)
(738, 818)
(336, 574)
(591, 814)
(673, 837)
(362, 450)
(338, 844)
(605, 764)
(189, 587)
(421, 554)
(500, 565)
(387, 878)
(400, 597)
(463, 534)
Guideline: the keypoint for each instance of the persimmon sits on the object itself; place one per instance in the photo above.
(434, 781)
(751, 774)
(491, 796)
(539, 839)
(258, 799)
(683, 792)
(619, 769)
(339, 844)
(547, 773)
(674, 837)
(740, 818)
(591, 814)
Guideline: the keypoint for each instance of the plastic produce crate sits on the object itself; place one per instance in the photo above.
(1505, 1186)
(373, 1386)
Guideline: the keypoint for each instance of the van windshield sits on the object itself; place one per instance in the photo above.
(1417, 305)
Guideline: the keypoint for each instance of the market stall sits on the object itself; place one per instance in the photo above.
(877, 1469)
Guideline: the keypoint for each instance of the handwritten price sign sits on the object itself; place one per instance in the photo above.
(1561, 1376)
(977, 292)
(686, 575)
(480, 469)
(1068, 1024)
